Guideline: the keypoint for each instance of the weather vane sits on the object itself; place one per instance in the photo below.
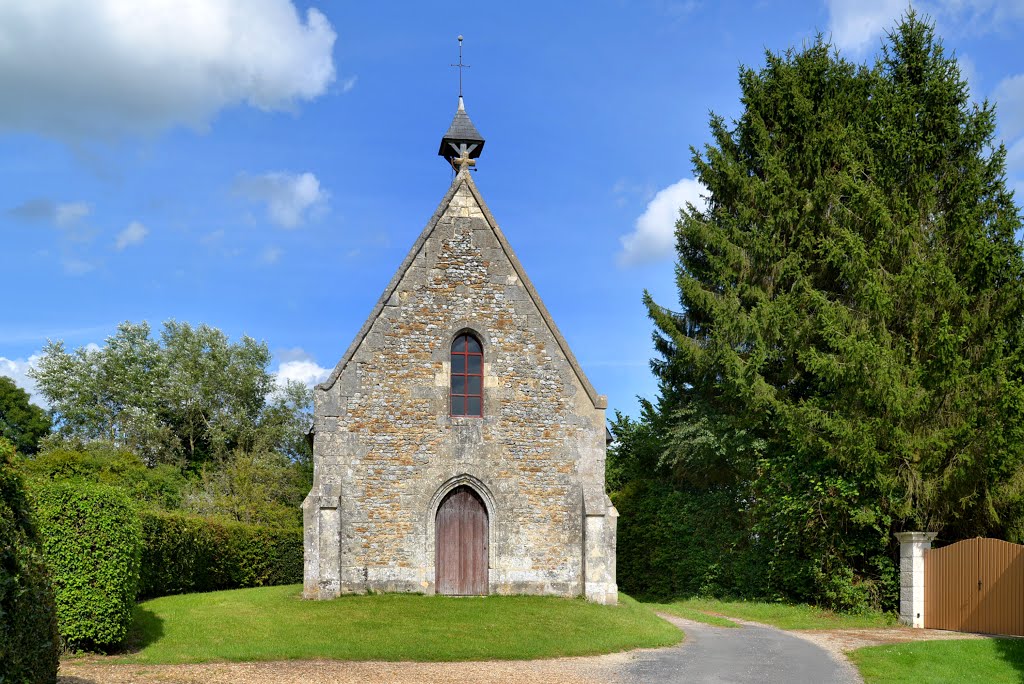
(460, 65)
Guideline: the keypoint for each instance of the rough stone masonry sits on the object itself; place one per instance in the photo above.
(387, 451)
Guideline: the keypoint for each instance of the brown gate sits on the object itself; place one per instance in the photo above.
(976, 585)
(461, 540)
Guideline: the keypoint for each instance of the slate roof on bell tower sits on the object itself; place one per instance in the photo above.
(461, 132)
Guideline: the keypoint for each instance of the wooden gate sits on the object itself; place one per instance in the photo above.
(976, 585)
(461, 541)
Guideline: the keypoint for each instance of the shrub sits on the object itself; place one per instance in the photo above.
(183, 553)
(91, 542)
(28, 624)
(676, 542)
(158, 486)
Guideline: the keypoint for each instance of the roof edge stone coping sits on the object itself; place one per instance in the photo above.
(599, 401)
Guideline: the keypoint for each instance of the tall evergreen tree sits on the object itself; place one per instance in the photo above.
(847, 356)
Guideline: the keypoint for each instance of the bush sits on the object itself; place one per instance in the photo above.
(158, 486)
(28, 624)
(677, 542)
(183, 553)
(91, 542)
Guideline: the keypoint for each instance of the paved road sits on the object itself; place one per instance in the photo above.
(754, 654)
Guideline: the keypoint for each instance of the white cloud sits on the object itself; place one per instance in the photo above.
(348, 84)
(134, 234)
(858, 25)
(271, 255)
(71, 213)
(1009, 98)
(106, 68)
(289, 197)
(60, 214)
(212, 238)
(76, 266)
(17, 370)
(299, 366)
(653, 238)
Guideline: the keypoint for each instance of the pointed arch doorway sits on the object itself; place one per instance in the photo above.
(461, 542)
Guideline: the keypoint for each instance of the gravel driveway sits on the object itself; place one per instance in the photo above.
(753, 653)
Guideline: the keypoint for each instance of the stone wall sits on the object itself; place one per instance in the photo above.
(386, 449)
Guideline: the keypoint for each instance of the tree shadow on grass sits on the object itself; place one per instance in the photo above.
(1011, 650)
(147, 628)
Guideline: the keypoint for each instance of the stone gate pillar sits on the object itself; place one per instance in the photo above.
(913, 546)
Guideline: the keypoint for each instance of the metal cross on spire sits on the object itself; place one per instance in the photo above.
(460, 65)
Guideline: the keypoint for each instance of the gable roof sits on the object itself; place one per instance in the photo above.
(463, 179)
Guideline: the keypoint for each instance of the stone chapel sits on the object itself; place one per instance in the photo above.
(458, 447)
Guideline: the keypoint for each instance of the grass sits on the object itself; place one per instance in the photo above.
(274, 623)
(781, 615)
(992, 661)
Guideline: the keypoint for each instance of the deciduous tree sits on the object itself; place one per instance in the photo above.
(22, 423)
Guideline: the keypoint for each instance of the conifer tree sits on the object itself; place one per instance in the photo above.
(847, 356)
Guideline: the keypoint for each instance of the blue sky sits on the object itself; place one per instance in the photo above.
(263, 166)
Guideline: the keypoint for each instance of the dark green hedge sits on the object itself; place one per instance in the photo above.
(674, 542)
(91, 542)
(183, 553)
(28, 623)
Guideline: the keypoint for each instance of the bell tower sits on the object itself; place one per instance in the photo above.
(462, 144)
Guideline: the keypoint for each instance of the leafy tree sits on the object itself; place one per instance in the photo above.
(253, 487)
(22, 423)
(847, 356)
(190, 398)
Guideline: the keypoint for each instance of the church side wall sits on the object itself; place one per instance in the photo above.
(386, 447)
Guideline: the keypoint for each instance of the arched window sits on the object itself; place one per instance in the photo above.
(467, 376)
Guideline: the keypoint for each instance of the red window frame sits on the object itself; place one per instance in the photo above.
(467, 377)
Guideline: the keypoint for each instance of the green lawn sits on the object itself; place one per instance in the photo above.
(985, 661)
(274, 623)
(781, 615)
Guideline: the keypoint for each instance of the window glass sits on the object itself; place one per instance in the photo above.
(458, 406)
(467, 360)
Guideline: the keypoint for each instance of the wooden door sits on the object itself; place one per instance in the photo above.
(461, 542)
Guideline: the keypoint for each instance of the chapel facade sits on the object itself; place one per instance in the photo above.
(458, 446)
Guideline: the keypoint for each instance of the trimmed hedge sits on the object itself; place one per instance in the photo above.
(674, 543)
(183, 553)
(28, 625)
(92, 543)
